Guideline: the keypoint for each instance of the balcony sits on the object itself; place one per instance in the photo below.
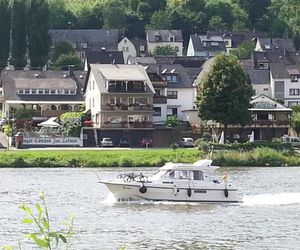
(125, 124)
(125, 107)
(160, 99)
(269, 123)
(127, 87)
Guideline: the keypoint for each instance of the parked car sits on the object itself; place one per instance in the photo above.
(295, 141)
(145, 142)
(186, 142)
(123, 143)
(107, 142)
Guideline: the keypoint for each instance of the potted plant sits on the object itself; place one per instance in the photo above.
(88, 123)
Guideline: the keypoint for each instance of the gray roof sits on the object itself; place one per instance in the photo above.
(95, 39)
(185, 61)
(237, 37)
(14, 79)
(276, 44)
(141, 60)
(121, 72)
(198, 40)
(104, 57)
(137, 44)
(164, 35)
(259, 76)
(185, 80)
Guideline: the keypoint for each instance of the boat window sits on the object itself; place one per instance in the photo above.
(170, 173)
(198, 175)
(183, 174)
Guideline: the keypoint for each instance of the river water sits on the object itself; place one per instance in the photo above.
(269, 217)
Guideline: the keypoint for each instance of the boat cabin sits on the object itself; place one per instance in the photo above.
(198, 171)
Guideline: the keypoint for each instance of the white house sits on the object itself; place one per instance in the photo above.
(171, 38)
(119, 96)
(205, 46)
(127, 47)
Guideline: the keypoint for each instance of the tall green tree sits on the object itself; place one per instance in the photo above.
(159, 20)
(244, 50)
(38, 38)
(224, 92)
(5, 23)
(18, 34)
(114, 14)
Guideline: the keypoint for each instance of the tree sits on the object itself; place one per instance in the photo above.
(159, 20)
(224, 92)
(64, 60)
(296, 122)
(18, 33)
(244, 50)
(5, 24)
(62, 48)
(164, 50)
(38, 38)
(114, 14)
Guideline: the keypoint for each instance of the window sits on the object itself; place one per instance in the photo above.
(142, 48)
(176, 48)
(41, 91)
(171, 38)
(33, 91)
(294, 78)
(265, 89)
(59, 91)
(27, 91)
(66, 91)
(123, 48)
(214, 44)
(157, 111)
(293, 103)
(52, 92)
(174, 78)
(72, 92)
(20, 91)
(47, 91)
(93, 101)
(74, 45)
(127, 49)
(263, 65)
(93, 84)
(172, 94)
(204, 44)
(125, 40)
(141, 100)
(294, 91)
(157, 38)
(84, 45)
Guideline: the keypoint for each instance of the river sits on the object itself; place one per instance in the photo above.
(269, 217)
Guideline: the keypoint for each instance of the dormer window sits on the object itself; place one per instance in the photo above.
(33, 91)
(204, 44)
(72, 92)
(172, 78)
(294, 78)
(171, 39)
(27, 91)
(20, 91)
(47, 91)
(84, 45)
(142, 48)
(40, 91)
(66, 91)
(52, 91)
(157, 38)
(74, 45)
(263, 65)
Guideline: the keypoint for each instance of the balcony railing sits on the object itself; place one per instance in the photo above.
(160, 99)
(269, 123)
(126, 124)
(134, 89)
(129, 107)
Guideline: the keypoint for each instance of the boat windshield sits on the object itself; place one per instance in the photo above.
(178, 174)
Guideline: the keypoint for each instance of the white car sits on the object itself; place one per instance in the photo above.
(107, 142)
(186, 142)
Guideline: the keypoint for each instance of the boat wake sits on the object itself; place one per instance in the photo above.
(271, 199)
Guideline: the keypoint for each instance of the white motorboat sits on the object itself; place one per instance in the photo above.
(178, 182)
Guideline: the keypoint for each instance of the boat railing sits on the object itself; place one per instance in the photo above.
(133, 177)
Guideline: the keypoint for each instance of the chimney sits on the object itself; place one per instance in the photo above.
(71, 70)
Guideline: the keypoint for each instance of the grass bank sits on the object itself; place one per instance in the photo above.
(144, 158)
(96, 158)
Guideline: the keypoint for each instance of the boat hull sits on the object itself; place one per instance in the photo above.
(148, 191)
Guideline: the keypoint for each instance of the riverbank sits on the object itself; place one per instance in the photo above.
(144, 158)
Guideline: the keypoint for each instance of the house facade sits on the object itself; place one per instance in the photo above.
(171, 38)
(119, 97)
(41, 94)
(205, 46)
(127, 47)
